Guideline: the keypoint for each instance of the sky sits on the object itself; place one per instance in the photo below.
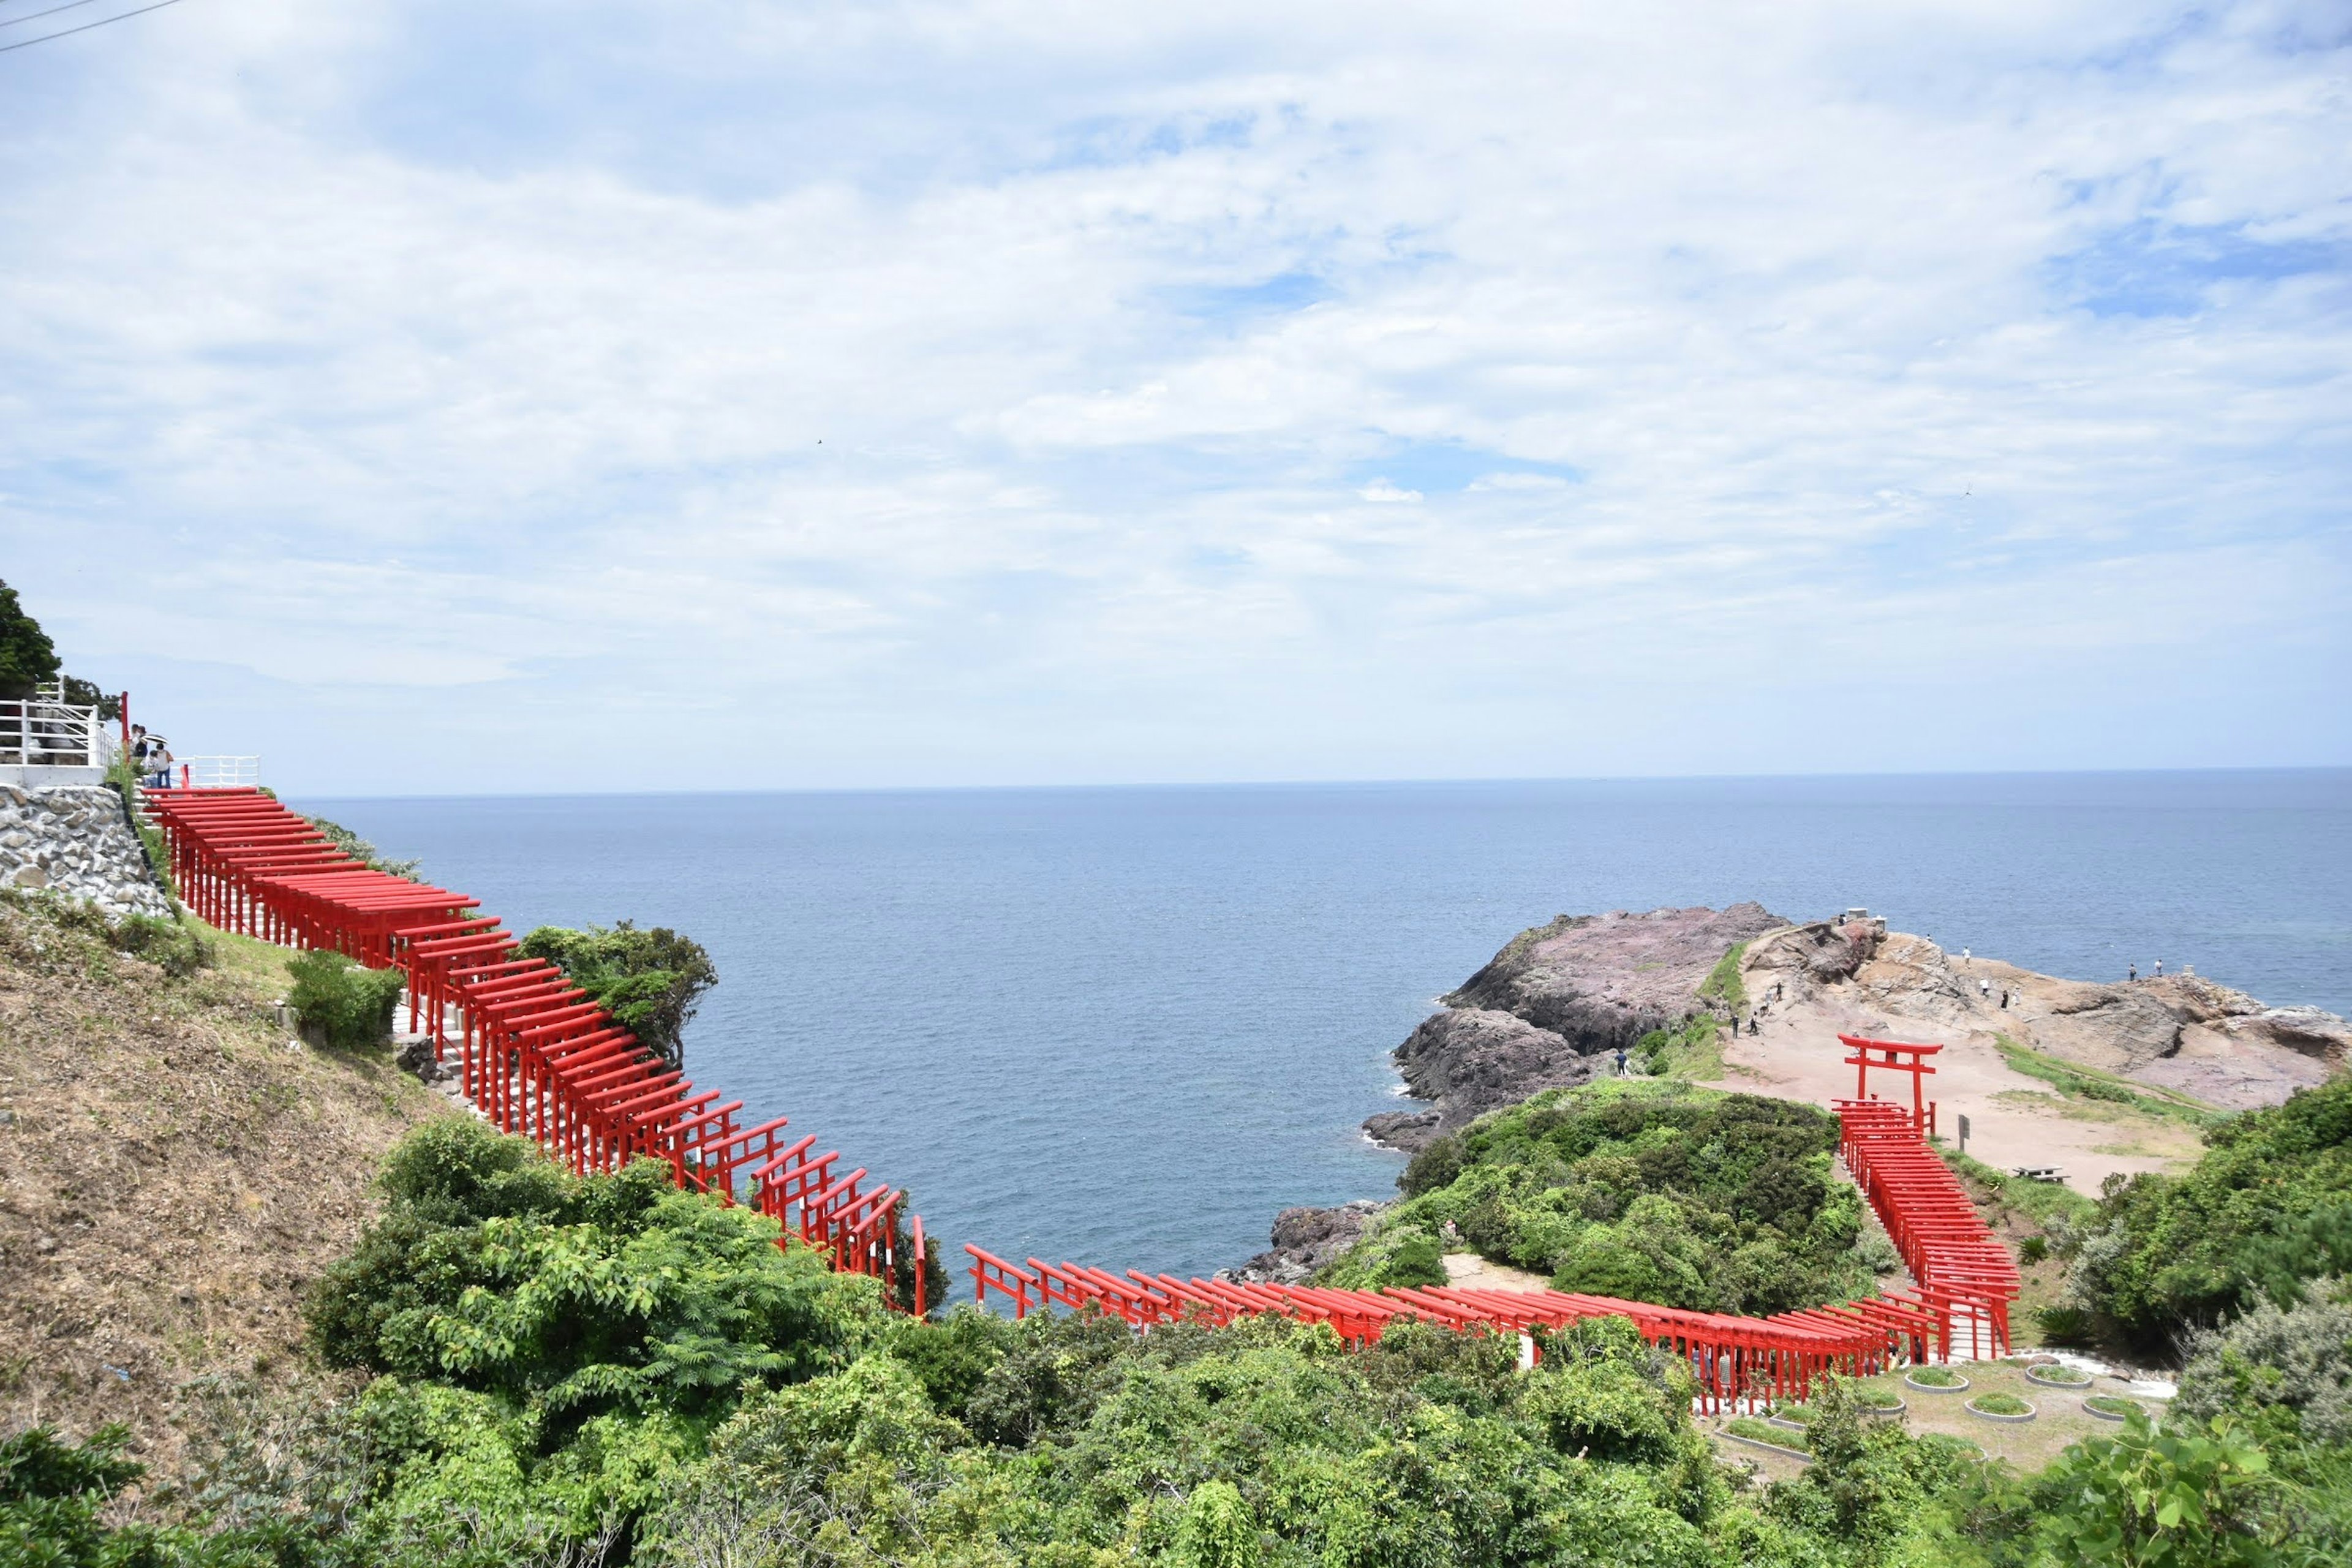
(499, 396)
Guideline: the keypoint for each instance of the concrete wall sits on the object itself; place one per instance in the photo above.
(76, 841)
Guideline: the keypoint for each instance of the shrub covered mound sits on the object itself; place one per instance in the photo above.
(650, 980)
(1661, 1192)
(2269, 1205)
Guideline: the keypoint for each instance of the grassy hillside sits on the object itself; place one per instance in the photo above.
(175, 1177)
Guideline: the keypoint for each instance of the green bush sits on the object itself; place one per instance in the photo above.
(2295, 1360)
(2269, 1205)
(172, 945)
(1643, 1191)
(350, 1005)
(650, 981)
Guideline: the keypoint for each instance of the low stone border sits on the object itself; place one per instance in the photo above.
(1960, 1387)
(1995, 1415)
(1796, 1454)
(2095, 1414)
(1784, 1424)
(2033, 1376)
(1884, 1412)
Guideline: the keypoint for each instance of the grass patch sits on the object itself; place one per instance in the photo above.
(2089, 1083)
(2043, 1204)
(1692, 1049)
(1935, 1376)
(2000, 1404)
(1872, 1397)
(1724, 982)
(2072, 1377)
(1756, 1431)
(2110, 1404)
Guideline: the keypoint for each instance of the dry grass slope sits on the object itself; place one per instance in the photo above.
(173, 1176)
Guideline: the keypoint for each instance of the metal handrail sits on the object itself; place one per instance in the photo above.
(48, 733)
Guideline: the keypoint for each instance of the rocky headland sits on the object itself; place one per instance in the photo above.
(1554, 1005)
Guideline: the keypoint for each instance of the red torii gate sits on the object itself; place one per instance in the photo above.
(1923, 1109)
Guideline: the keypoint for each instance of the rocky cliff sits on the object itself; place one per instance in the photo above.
(1550, 1007)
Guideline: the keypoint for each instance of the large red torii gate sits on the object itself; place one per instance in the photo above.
(1923, 1109)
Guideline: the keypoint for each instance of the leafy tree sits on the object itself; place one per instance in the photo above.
(2268, 1205)
(649, 979)
(27, 655)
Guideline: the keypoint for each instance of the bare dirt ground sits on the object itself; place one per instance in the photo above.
(1912, 990)
(1473, 1272)
(175, 1177)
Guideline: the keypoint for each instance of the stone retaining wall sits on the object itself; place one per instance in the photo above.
(76, 840)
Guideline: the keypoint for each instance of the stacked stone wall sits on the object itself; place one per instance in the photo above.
(76, 840)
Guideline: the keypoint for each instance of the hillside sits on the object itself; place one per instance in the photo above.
(176, 1175)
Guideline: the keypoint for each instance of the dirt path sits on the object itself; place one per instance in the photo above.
(1913, 991)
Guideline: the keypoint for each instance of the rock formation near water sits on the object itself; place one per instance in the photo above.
(1551, 1006)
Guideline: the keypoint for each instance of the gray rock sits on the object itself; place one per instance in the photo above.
(1305, 1239)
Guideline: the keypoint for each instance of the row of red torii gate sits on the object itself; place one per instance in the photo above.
(539, 1057)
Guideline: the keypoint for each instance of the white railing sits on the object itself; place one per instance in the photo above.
(217, 772)
(46, 734)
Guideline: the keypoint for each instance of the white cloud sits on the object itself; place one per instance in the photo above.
(953, 383)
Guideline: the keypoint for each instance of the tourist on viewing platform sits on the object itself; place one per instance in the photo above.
(158, 763)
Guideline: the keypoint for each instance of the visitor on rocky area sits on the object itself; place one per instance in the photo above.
(2159, 969)
(2135, 972)
(1621, 1061)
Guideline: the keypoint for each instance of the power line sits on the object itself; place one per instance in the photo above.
(86, 26)
(69, 5)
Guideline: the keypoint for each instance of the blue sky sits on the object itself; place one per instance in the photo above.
(442, 397)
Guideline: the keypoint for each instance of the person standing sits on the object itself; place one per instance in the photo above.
(2159, 969)
(1621, 1061)
(1964, 957)
(2135, 972)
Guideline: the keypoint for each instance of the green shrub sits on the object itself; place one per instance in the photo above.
(350, 1005)
(2296, 1359)
(2269, 1205)
(172, 945)
(1650, 1191)
(650, 981)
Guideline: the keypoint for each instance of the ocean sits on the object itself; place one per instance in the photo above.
(1126, 1026)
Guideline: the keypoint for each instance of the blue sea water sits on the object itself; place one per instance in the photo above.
(1126, 1026)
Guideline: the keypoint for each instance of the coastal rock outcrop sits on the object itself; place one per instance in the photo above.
(1305, 1239)
(1555, 1000)
(1471, 1060)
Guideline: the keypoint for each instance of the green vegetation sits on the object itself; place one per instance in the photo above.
(28, 659)
(2071, 1375)
(172, 945)
(2268, 1207)
(1692, 1050)
(2113, 1405)
(27, 655)
(1872, 1397)
(1934, 1376)
(604, 1371)
(1650, 1191)
(2040, 1204)
(1757, 1431)
(2000, 1404)
(350, 1005)
(2090, 1083)
(650, 981)
(1723, 982)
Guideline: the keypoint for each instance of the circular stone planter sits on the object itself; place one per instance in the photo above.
(2033, 1376)
(1783, 1422)
(1957, 1385)
(1882, 1412)
(2028, 1414)
(2095, 1414)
